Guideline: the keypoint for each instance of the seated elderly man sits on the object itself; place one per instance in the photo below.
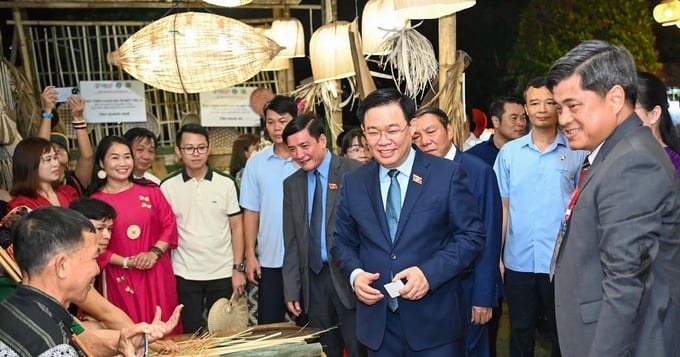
(56, 249)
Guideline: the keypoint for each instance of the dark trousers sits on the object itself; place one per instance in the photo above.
(271, 307)
(395, 345)
(477, 339)
(326, 310)
(525, 293)
(198, 296)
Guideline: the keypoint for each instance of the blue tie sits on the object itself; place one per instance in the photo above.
(393, 208)
(392, 212)
(315, 233)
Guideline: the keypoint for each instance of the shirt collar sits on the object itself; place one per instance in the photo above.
(593, 155)
(452, 153)
(324, 166)
(405, 168)
(208, 175)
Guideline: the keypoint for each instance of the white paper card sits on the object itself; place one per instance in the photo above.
(394, 287)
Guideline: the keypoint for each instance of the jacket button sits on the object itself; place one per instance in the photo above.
(393, 256)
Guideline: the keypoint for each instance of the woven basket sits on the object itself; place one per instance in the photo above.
(221, 142)
(194, 52)
(228, 314)
(152, 124)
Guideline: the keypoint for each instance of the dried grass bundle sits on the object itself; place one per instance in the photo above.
(452, 103)
(194, 52)
(412, 56)
(210, 344)
(329, 94)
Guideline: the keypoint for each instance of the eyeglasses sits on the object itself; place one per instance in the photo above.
(391, 134)
(190, 150)
(357, 149)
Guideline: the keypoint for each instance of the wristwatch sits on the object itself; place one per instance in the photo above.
(240, 267)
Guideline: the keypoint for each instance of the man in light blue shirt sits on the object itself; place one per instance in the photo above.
(262, 201)
(537, 174)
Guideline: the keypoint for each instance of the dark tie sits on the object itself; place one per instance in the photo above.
(584, 171)
(315, 227)
(393, 208)
(392, 212)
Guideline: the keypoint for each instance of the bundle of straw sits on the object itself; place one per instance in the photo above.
(194, 52)
(412, 56)
(254, 341)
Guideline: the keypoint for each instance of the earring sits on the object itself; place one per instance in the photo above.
(101, 174)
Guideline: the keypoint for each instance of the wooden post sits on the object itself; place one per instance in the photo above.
(25, 51)
(447, 57)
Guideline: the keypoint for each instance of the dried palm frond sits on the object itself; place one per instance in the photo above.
(450, 99)
(329, 94)
(412, 56)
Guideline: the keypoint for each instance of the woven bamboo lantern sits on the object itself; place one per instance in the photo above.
(329, 52)
(430, 9)
(228, 3)
(278, 63)
(377, 20)
(194, 52)
(289, 34)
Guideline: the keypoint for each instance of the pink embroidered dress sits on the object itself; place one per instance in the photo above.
(143, 217)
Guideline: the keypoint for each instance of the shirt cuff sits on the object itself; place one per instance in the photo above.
(353, 276)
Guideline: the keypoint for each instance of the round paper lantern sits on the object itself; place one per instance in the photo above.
(289, 34)
(194, 52)
(430, 9)
(330, 53)
(377, 19)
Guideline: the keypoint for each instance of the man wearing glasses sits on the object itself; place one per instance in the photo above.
(208, 261)
(407, 228)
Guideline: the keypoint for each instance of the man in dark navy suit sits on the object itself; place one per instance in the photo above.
(482, 285)
(406, 218)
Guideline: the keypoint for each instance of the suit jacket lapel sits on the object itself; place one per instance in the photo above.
(622, 130)
(300, 200)
(419, 175)
(334, 178)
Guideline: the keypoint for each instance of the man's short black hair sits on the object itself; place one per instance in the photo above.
(47, 231)
(191, 128)
(314, 126)
(385, 96)
(93, 208)
(281, 105)
(497, 107)
(443, 118)
(138, 133)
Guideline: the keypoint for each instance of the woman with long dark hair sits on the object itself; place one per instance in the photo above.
(652, 108)
(138, 275)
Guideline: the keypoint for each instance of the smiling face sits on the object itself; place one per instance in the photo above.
(144, 153)
(431, 136)
(586, 118)
(541, 108)
(513, 122)
(118, 162)
(307, 151)
(388, 134)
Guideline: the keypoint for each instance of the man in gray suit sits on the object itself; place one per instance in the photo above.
(618, 259)
(310, 196)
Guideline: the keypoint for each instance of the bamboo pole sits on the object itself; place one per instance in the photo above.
(25, 52)
(447, 58)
